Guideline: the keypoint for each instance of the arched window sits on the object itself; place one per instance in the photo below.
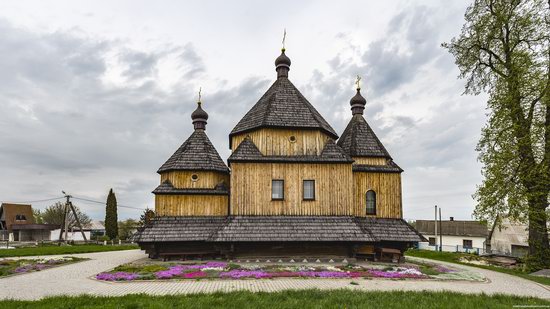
(371, 202)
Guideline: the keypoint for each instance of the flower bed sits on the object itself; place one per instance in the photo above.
(21, 266)
(223, 270)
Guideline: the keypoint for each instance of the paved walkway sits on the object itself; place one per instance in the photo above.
(74, 279)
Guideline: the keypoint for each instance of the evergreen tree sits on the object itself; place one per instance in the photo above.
(111, 217)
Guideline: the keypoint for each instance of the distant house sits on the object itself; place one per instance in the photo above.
(509, 238)
(457, 235)
(17, 224)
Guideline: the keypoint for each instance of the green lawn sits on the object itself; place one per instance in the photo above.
(453, 257)
(288, 299)
(50, 250)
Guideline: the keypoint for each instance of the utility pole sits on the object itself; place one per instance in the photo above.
(440, 233)
(65, 226)
(435, 225)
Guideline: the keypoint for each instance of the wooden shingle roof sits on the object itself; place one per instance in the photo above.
(282, 106)
(167, 188)
(359, 140)
(390, 167)
(276, 228)
(196, 153)
(453, 228)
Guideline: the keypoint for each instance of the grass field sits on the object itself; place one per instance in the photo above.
(288, 299)
(51, 250)
(454, 258)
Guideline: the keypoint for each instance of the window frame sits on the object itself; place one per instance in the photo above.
(283, 190)
(471, 246)
(367, 203)
(304, 190)
(430, 242)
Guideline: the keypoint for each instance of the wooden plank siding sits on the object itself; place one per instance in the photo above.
(191, 205)
(276, 142)
(387, 187)
(206, 179)
(370, 160)
(251, 189)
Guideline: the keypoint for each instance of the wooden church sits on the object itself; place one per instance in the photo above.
(291, 187)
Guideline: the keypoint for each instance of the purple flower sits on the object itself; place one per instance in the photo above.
(118, 276)
(239, 273)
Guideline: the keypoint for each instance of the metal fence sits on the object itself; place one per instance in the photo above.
(447, 248)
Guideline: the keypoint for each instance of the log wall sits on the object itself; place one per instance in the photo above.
(370, 160)
(251, 189)
(206, 180)
(191, 205)
(276, 142)
(387, 187)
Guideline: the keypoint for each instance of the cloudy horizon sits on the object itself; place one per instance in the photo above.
(97, 95)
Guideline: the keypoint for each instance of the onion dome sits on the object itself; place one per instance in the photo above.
(282, 64)
(199, 117)
(357, 103)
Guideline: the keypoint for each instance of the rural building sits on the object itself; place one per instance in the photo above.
(17, 224)
(457, 235)
(508, 238)
(292, 187)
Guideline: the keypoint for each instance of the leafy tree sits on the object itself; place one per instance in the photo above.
(126, 228)
(111, 217)
(54, 215)
(504, 50)
(37, 214)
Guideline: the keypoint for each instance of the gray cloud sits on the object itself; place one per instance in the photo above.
(63, 125)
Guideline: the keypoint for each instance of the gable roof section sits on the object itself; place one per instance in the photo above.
(196, 153)
(248, 152)
(282, 106)
(453, 228)
(359, 140)
(8, 213)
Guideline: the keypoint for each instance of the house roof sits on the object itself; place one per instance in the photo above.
(276, 228)
(453, 228)
(359, 140)
(282, 106)
(390, 167)
(196, 153)
(248, 152)
(9, 212)
(48, 227)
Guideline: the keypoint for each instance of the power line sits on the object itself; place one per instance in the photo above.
(103, 203)
(37, 201)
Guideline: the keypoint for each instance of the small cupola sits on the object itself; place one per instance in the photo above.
(199, 116)
(358, 102)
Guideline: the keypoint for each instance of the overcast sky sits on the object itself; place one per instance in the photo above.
(98, 94)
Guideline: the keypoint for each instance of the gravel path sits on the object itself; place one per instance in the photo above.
(75, 279)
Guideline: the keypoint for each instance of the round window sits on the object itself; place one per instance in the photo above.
(292, 139)
(194, 177)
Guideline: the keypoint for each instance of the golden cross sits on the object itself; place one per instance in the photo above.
(357, 82)
(200, 89)
(284, 38)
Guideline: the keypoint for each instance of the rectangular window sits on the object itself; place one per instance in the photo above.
(277, 189)
(432, 241)
(467, 243)
(309, 189)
